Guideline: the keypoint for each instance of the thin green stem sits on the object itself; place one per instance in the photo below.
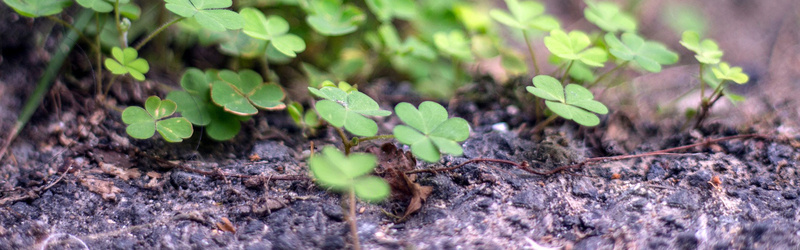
(456, 71)
(265, 67)
(156, 32)
(122, 39)
(702, 85)
(377, 137)
(110, 83)
(566, 73)
(530, 50)
(604, 75)
(344, 139)
(352, 219)
(539, 127)
(99, 55)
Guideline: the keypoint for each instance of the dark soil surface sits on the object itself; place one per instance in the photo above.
(74, 180)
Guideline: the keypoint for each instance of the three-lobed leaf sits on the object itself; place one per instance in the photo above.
(429, 132)
(706, 51)
(385, 10)
(211, 14)
(573, 46)
(723, 71)
(343, 109)
(453, 44)
(332, 169)
(332, 18)
(273, 29)
(525, 15)
(102, 6)
(37, 8)
(242, 93)
(609, 17)
(144, 122)
(574, 102)
(127, 61)
(646, 54)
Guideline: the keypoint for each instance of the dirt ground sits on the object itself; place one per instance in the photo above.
(85, 184)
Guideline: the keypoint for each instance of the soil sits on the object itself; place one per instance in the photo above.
(74, 180)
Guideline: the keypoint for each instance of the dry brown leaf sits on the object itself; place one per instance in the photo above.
(225, 225)
(105, 189)
(393, 164)
(124, 174)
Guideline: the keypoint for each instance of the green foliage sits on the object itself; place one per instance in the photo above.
(609, 17)
(102, 6)
(143, 122)
(211, 14)
(385, 10)
(723, 71)
(711, 80)
(274, 30)
(429, 131)
(453, 44)
(579, 71)
(334, 170)
(577, 104)
(343, 109)
(303, 119)
(332, 18)
(682, 16)
(127, 61)
(37, 8)
(646, 54)
(242, 93)
(573, 46)
(525, 15)
(706, 51)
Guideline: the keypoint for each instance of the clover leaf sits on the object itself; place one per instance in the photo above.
(332, 18)
(102, 6)
(429, 131)
(343, 109)
(37, 8)
(573, 46)
(647, 54)
(723, 71)
(713, 81)
(241, 93)
(453, 44)
(127, 61)
(211, 14)
(273, 29)
(609, 17)
(576, 105)
(706, 51)
(334, 170)
(385, 10)
(525, 15)
(143, 123)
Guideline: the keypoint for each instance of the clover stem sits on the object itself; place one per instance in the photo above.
(122, 42)
(566, 73)
(345, 141)
(264, 67)
(539, 127)
(530, 50)
(377, 137)
(99, 72)
(456, 71)
(69, 26)
(702, 85)
(609, 73)
(351, 218)
(110, 83)
(156, 32)
(703, 112)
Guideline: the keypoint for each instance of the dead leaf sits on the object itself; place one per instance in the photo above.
(124, 174)
(225, 225)
(105, 189)
(393, 164)
(255, 157)
(418, 196)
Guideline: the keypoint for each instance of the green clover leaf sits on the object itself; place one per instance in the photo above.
(525, 15)
(706, 51)
(713, 81)
(573, 46)
(343, 109)
(102, 6)
(429, 131)
(647, 54)
(385, 10)
(453, 44)
(211, 14)
(609, 17)
(273, 29)
(334, 170)
(723, 71)
(143, 123)
(241, 93)
(37, 8)
(576, 105)
(332, 18)
(127, 61)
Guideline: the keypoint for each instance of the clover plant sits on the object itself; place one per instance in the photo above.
(304, 119)
(609, 17)
(38, 8)
(144, 122)
(575, 47)
(273, 29)
(127, 61)
(332, 18)
(526, 16)
(242, 93)
(453, 44)
(343, 109)
(211, 14)
(574, 102)
(646, 54)
(429, 132)
(385, 10)
(332, 169)
(706, 51)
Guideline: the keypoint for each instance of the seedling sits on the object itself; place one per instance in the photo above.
(575, 47)
(211, 14)
(242, 93)
(38, 8)
(525, 16)
(127, 61)
(646, 54)
(307, 120)
(577, 104)
(273, 29)
(143, 122)
(332, 18)
(343, 109)
(429, 131)
(609, 17)
(706, 51)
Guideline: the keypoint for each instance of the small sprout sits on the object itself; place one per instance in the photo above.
(127, 61)
(706, 51)
(429, 131)
(273, 29)
(385, 10)
(573, 46)
(334, 170)
(241, 93)
(647, 54)
(211, 14)
(609, 17)
(343, 109)
(453, 44)
(723, 71)
(143, 123)
(303, 119)
(576, 105)
(102, 6)
(525, 15)
(332, 18)
(37, 8)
